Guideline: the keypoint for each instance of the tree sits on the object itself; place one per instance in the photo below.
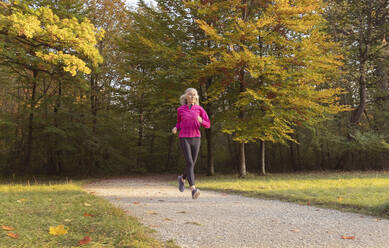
(35, 41)
(361, 29)
(280, 58)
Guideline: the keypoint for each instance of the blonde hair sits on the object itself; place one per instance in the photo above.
(183, 97)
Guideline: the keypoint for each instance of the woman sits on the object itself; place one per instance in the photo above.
(190, 116)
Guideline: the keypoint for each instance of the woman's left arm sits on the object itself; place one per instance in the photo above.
(206, 122)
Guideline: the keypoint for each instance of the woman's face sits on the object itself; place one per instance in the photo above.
(191, 97)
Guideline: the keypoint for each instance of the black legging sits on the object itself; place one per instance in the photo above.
(190, 147)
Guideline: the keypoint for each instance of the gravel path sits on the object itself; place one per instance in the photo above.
(229, 221)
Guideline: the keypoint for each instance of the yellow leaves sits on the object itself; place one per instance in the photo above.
(43, 26)
(47, 15)
(209, 30)
(254, 94)
(25, 25)
(100, 34)
(5, 5)
(58, 230)
(264, 21)
(80, 99)
(71, 63)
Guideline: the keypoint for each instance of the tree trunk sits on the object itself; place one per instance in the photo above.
(140, 130)
(233, 154)
(57, 166)
(210, 160)
(30, 138)
(208, 132)
(298, 154)
(364, 43)
(93, 100)
(292, 156)
(356, 116)
(169, 151)
(242, 161)
(262, 168)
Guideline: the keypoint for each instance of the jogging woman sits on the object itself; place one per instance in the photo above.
(190, 117)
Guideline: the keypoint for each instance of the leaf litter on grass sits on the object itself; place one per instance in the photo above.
(7, 228)
(13, 235)
(58, 230)
(84, 241)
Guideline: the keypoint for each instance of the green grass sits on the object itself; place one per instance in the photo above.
(31, 207)
(361, 192)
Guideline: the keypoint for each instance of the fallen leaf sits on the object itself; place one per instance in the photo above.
(154, 226)
(193, 223)
(167, 219)
(58, 230)
(161, 200)
(136, 203)
(85, 240)
(182, 212)
(8, 228)
(295, 230)
(348, 237)
(308, 203)
(13, 235)
(67, 220)
(87, 204)
(92, 192)
(91, 215)
(152, 212)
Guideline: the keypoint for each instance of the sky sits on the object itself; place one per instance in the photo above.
(134, 2)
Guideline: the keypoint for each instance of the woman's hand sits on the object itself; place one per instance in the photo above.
(174, 130)
(199, 119)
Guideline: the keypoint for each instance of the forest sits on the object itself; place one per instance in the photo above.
(91, 87)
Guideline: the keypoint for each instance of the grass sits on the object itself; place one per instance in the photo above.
(32, 207)
(360, 192)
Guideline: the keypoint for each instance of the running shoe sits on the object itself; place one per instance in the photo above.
(195, 193)
(181, 185)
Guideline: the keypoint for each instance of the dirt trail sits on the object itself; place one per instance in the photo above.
(229, 221)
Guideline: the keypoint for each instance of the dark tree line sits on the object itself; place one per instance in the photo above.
(86, 115)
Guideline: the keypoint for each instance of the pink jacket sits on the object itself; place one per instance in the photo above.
(187, 121)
